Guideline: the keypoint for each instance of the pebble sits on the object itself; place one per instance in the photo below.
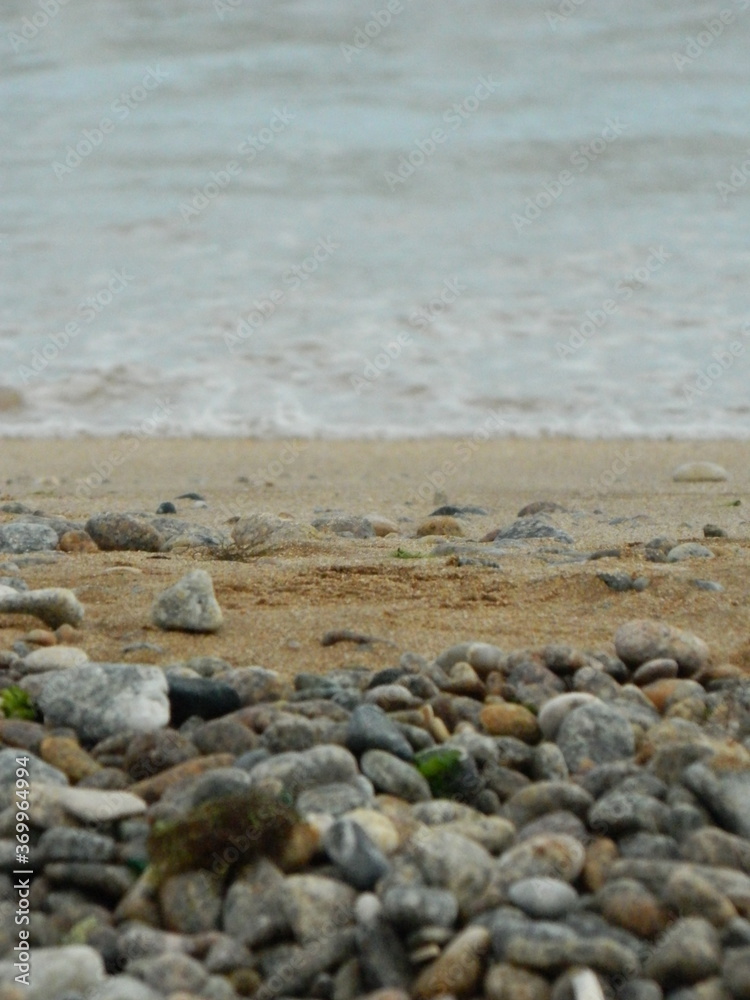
(688, 952)
(65, 754)
(394, 776)
(316, 906)
(458, 970)
(39, 771)
(506, 719)
(349, 525)
(252, 911)
(699, 472)
(532, 527)
(412, 906)
(90, 805)
(553, 712)
(22, 536)
(266, 534)
(508, 982)
(689, 550)
(123, 532)
(370, 728)
(360, 862)
(56, 972)
(191, 902)
(199, 696)
(726, 795)
(54, 606)
(189, 605)
(654, 670)
(76, 542)
(545, 855)
(594, 734)
(641, 640)
(102, 699)
(543, 898)
(52, 658)
(440, 525)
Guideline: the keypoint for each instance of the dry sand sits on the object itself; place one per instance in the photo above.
(277, 608)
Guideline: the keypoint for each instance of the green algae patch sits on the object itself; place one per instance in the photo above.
(222, 834)
(16, 704)
(442, 767)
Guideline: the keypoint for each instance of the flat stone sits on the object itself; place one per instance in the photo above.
(69, 844)
(91, 805)
(394, 776)
(543, 945)
(710, 846)
(543, 898)
(699, 472)
(191, 902)
(544, 797)
(20, 536)
(39, 770)
(618, 813)
(595, 734)
(689, 550)
(54, 606)
(52, 658)
(344, 524)
(266, 534)
(691, 895)
(170, 973)
(662, 668)
(55, 972)
(123, 532)
(641, 640)
(103, 699)
(532, 527)
(687, 953)
(298, 771)
(628, 904)
(189, 605)
(370, 728)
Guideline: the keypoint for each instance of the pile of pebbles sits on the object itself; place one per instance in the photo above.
(532, 824)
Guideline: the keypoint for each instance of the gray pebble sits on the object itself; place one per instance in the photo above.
(393, 776)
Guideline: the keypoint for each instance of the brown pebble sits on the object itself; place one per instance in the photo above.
(40, 637)
(659, 692)
(152, 789)
(601, 854)
(65, 754)
(505, 719)
(66, 633)
(76, 542)
(441, 525)
(540, 507)
(458, 970)
(628, 904)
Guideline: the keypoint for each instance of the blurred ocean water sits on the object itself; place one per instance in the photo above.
(384, 218)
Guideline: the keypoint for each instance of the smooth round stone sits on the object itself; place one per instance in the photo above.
(124, 987)
(643, 639)
(317, 906)
(52, 658)
(594, 734)
(335, 799)
(447, 860)
(463, 679)
(148, 754)
(689, 550)
(379, 828)
(690, 894)
(200, 696)
(726, 794)
(543, 898)
(191, 902)
(699, 472)
(392, 697)
(91, 805)
(542, 945)
(55, 606)
(224, 736)
(74, 969)
(170, 972)
(552, 712)
(39, 771)
(544, 797)
(357, 858)
(546, 855)
(484, 657)
(321, 765)
(618, 813)
(689, 952)
(120, 532)
(289, 732)
(442, 525)
(22, 536)
(69, 844)
(549, 763)
(416, 906)
(662, 668)
(253, 912)
(711, 846)
(370, 728)
(507, 719)
(628, 904)
(393, 776)
(737, 973)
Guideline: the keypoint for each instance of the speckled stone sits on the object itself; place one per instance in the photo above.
(459, 968)
(506, 719)
(113, 532)
(687, 953)
(593, 734)
(394, 776)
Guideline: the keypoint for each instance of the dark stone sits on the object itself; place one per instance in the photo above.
(208, 699)
(370, 728)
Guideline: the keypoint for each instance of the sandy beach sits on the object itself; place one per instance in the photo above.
(277, 608)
